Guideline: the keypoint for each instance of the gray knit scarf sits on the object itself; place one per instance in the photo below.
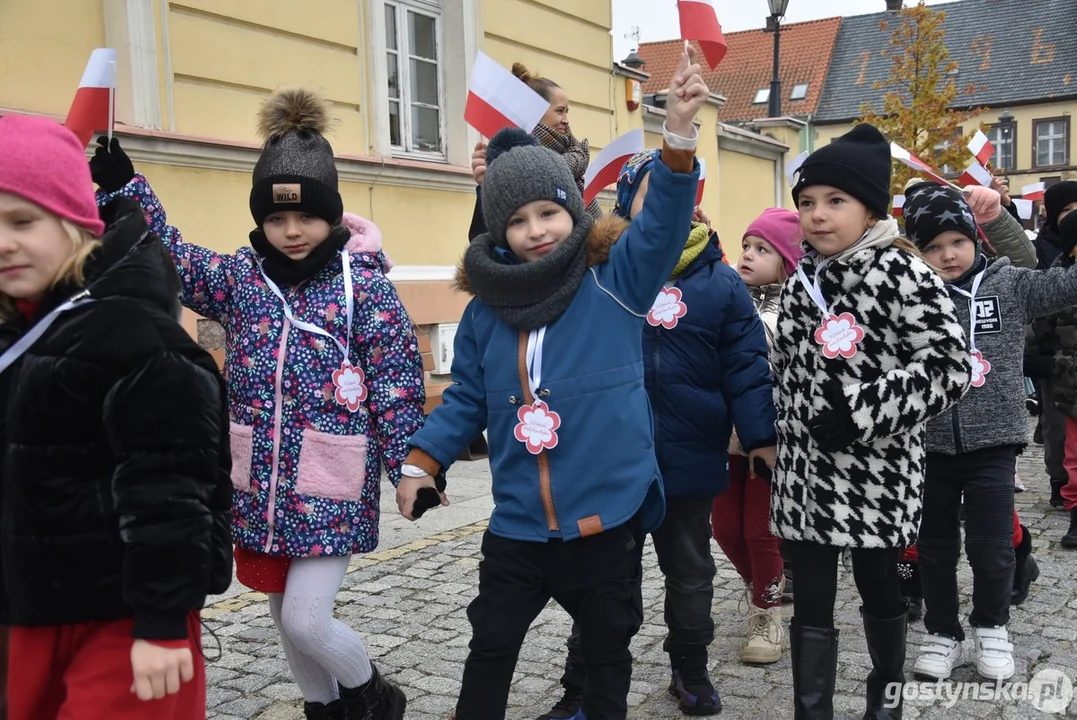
(528, 295)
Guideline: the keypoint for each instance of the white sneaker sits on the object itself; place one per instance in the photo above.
(1018, 486)
(994, 653)
(939, 655)
(766, 636)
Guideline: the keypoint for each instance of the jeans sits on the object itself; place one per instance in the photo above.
(683, 546)
(985, 477)
(597, 579)
(874, 571)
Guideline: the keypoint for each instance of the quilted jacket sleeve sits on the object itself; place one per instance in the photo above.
(390, 359)
(462, 413)
(746, 380)
(164, 421)
(1009, 240)
(208, 278)
(936, 371)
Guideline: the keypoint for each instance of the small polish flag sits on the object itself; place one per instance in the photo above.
(975, 174)
(497, 99)
(981, 148)
(1024, 208)
(905, 157)
(793, 166)
(702, 181)
(899, 206)
(699, 22)
(1034, 191)
(605, 168)
(92, 109)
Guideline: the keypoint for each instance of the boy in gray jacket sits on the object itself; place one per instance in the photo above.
(972, 448)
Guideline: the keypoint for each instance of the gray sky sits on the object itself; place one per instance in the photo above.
(657, 19)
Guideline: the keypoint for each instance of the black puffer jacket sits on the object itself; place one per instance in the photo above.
(115, 498)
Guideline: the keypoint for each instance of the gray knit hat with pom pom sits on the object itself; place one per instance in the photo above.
(520, 171)
(296, 170)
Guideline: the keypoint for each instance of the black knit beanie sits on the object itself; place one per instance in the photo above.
(296, 170)
(857, 163)
(1057, 197)
(1067, 233)
(931, 209)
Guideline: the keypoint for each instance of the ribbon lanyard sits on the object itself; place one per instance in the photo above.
(813, 288)
(16, 351)
(534, 360)
(972, 306)
(349, 301)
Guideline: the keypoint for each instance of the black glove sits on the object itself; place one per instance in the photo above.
(834, 429)
(428, 497)
(761, 469)
(110, 167)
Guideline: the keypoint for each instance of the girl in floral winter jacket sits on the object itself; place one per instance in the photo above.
(325, 388)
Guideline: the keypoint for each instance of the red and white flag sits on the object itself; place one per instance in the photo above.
(1024, 208)
(793, 166)
(905, 157)
(702, 181)
(699, 22)
(981, 148)
(1034, 191)
(92, 109)
(975, 174)
(899, 206)
(605, 168)
(497, 99)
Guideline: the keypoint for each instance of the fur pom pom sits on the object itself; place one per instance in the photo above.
(291, 110)
(506, 140)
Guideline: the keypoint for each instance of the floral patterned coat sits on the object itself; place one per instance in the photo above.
(306, 470)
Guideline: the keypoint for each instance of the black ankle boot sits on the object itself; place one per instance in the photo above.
(886, 646)
(1069, 540)
(814, 655)
(1056, 493)
(378, 699)
(1025, 571)
(321, 711)
(909, 577)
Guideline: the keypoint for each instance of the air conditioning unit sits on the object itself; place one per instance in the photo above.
(444, 337)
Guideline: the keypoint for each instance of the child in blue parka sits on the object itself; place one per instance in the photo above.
(705, 366)
(549, 359)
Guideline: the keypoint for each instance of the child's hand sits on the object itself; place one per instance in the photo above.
(687, 91)
(110, 167)
(478, 163)
(701, 217)
(767, 454)
(159, 670)
(1003, 189)
(986, 203)
(408, 491)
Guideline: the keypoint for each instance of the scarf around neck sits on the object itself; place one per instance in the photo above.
(282, 270)
(528, 295)
(883, 234)
(697, 243)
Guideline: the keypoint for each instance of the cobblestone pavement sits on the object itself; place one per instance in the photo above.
(408, 602)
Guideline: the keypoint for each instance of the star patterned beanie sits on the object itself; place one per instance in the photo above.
(931, 209)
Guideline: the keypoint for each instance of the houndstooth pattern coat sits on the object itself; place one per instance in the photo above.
(911, 365)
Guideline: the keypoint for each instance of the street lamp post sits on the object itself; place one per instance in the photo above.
(777, 12)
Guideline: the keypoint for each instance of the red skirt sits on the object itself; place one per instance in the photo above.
(261, 572)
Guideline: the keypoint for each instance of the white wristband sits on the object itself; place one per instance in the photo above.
(679, 142)
(412, 471)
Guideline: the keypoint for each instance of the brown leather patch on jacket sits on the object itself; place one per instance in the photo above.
(589, 525)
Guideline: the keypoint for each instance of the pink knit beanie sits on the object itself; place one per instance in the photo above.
(43, 162)
(780, 228)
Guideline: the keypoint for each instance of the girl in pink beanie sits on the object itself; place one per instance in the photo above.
(115, 491)
(740, 518)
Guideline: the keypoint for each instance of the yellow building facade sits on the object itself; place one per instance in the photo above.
(191, 75)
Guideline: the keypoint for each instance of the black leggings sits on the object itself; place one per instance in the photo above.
(816, 570)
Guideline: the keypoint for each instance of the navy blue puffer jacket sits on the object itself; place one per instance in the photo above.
(704, 373)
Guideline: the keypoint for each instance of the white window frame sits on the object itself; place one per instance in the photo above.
(761, 97)
(403, 60)
(1057, 142)
(794, 97)
(994, 134)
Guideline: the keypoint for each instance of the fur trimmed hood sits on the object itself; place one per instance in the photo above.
(604, 233)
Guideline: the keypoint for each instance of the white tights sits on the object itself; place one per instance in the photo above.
(320, 649)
